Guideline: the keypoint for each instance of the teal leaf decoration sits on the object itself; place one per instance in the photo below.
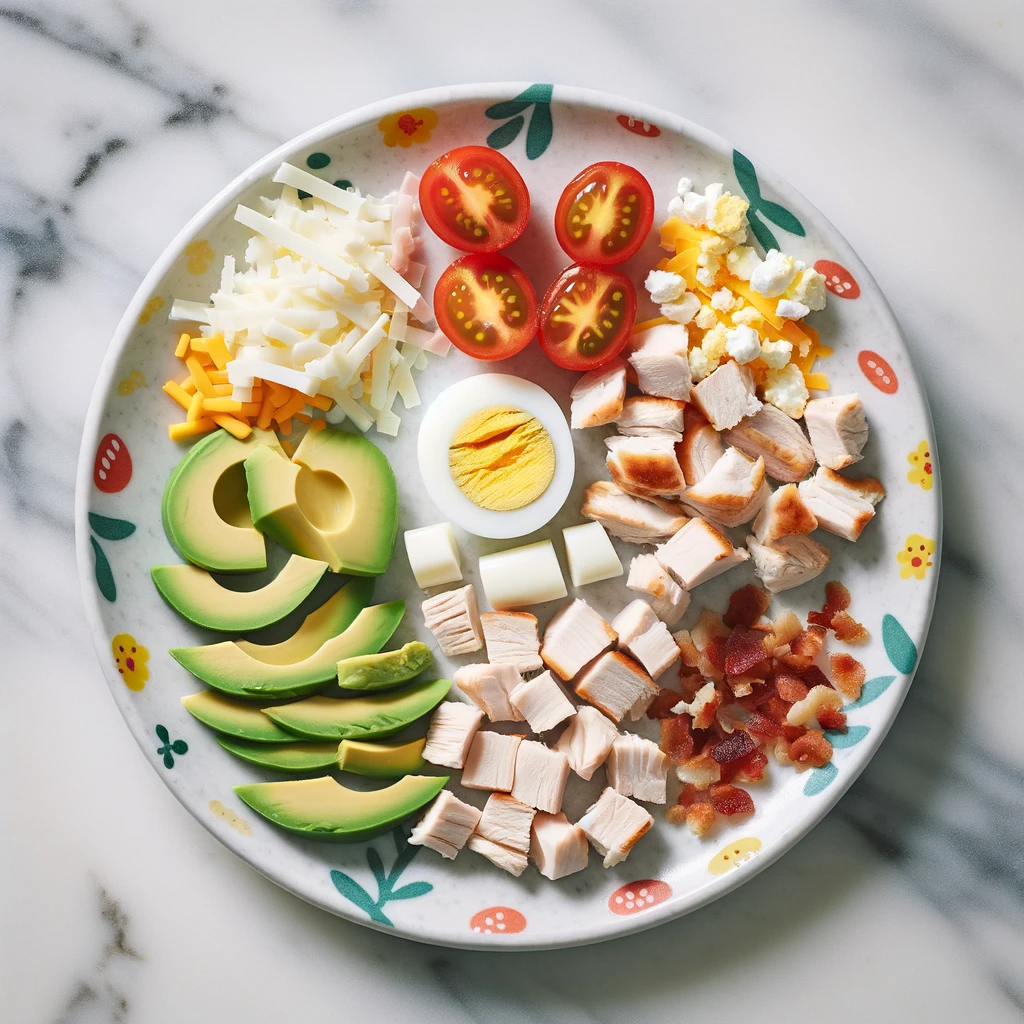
(762, 232)
(841, 738)
(509, 108)
(179, 747)
(412, 890)
(541, 128)
(871, 690)
(538, 135)
(162, 734)
(169, 749)
(110, 529)
(781, 216)
(746, 176)
(760, 207)
(355, 893)
(104, 577)
(821, 778)
(376, 866)
(504, 135)
(898, 645)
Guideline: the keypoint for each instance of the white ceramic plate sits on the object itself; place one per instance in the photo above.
(549, 135)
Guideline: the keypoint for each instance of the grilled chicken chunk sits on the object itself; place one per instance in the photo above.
(788, 562)
(838, 429)
(512, 638)
(542, 702)
(576, 635)
(655, 649)
(732, 493)
(701, 446)
(491, 762)
(452, 728)
(639, 768)
(698, 553)
(630, 519)
(597, 396)
(669, 600)
(842, 506)
(645, 466)
(614, 825)
(454, 619)
(784, 514)
(446, 826)
(644, 414)
(771, 434)
(618, 686)
(636, 618)
(586, 741)
(507, 821)
(659, 358)
(541, 775)
(557, 847)
(512, 861)
(727, 396)
(489, 688)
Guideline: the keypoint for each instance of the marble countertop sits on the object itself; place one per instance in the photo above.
(119, 120)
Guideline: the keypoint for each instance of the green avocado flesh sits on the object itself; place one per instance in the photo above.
(324, 718)
(228, 668)
(194, 593)
(324, 809)
(233, 719)
(380, 760)
(374, 760)
(205, 508)
(285, 757)
(334, 616)
(335, 500)
(384, 670)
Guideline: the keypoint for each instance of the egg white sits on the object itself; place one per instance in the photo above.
(450, 410)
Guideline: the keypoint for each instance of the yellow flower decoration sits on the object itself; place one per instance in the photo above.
(915, 557)
(130, 658)
(407, 126)
(921, 460)
(199, 255)
(135, 379)
(151, 308)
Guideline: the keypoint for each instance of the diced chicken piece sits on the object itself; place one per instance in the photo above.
(541, 775)
(451, 732)
(701, 446)
(644, 466)
(512, 639)
(644, 414)
(698, 553)
(784, 514)
(629, 518)
(586, 741)
(733, 492)
(491, 762)
(618, 686)
(576, 635)
(597, 396)
(512, 861)
(636, 618)
(842, 506)
(489, 688)
(772, 435)
(787, 563)
(446, 826)
(557, 847)
(838, 429)
(655, 649)
(639, 768)
(542, 702)
(614, 825)
(506, 821)
(659, 358)
(727, 395)
(454, 619)
(647, 576)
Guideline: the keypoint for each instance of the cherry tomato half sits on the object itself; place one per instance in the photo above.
(486, 306)
(474, 199)
(587, 316)
(604, 214)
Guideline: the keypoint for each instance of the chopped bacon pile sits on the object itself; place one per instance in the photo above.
(750, 687)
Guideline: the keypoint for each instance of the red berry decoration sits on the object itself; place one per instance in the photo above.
(113, 467)
(637, 896)
(637, 127)
(838, 280)
(497, 921)
(878, 371)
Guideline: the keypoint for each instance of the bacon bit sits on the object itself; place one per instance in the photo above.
(676, 739)
(676, 814)
(706, 715)
(848, 629)
(793, 732)
(837, 599)
(687, 648)
(813, 676)
(831, 718)
(735, 746)
(746, 606)
(786, 629)
(790, 687)
(778, 708)
(763, 726)
(743, 650)
(848, 673)
(811, 750)
(730, 800)
(746, 769)
(715, 652)
(694, 808)
(805, 648)
(690, 683)
(700, 771)
(742, 686)
(700, 817)
(709, 625)
(662, 705)
(780, 749)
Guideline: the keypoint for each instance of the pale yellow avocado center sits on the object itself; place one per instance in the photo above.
(502, 458)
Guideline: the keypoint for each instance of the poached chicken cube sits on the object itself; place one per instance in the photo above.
(452, 728)
(645, 414)
(659, 358)
(614, 825)
(629, 518)
(655, 649)
(701, 446)
(512, 861)
(733, 492)
(491, 762)
(541, 775)
(512, 638)
(784, 514)
(727, 396)
(838, 429)
(842, 506)
(446, 826)
(697, 553)
(586, 741)
(557, 847)
(542, 702)
(618, 686)
(454, 619)
(639, 768)
(788, 562)
(507, 821)
(576, 635)
(489, 687)
(669, 600)
(597, 396)
(773, 436)
(636, 618)
(646, 467)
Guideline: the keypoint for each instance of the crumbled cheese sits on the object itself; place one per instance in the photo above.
(684, 185)
(776, 353)
(786, 390)
(664, 286)
(706, 318)
(728, 214)
(683, 311)
(791, 310)
(676, 209)
(723, 300)
(700, 365)
(743, 344)
(715, 245)
(809, 288)
(747, 315)
(715, 344)
(774, 275)
(742, 262)
(708, 267)
(694, 209)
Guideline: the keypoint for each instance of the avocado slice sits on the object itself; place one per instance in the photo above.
(324, 718)
(385, 670)
(325, 809)
(233, 719)
(380, 760)
(226, 667)
(194, 593)
(295, 757)
(205, 508)
(334, 616)
(335, 500)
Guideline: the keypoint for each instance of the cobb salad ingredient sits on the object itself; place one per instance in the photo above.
(380, 760)
(446, 826)
(491, 762)
(841, 505)
(669, 601)
(784, 514)
(522, 576)
(771, 435)
(838, 428)
(384, 670)
(512, 861)
(617, 686)
(454, 619)
(507, 822)
(727, 395)
(586, 740)
(698, 553)
(598, 395)
(231, 718)
(542, 702)
(614, 825)
(590, 554)
(557, 847)
(512, 638)
(490, 688)
(575, 635)
(733, 492)
(658, 356)
(540, 776)
(630, 518)
(451, 732)
(644, 414)
(297, 758)
(434, 555)
(639, 768)
(644, 466)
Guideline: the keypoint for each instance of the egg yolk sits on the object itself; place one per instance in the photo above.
(502, 458)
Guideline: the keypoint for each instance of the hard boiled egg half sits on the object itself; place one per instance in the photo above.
(496, 455)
